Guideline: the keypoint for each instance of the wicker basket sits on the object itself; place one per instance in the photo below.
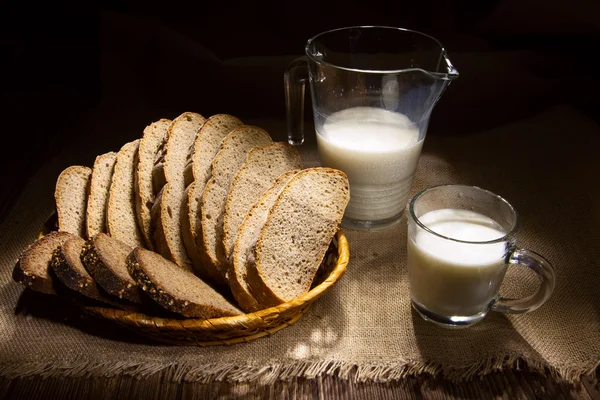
(230, 330)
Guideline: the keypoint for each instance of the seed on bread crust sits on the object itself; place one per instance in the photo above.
(105, 270)
(70, 277)
(183, 293)
(32, 267)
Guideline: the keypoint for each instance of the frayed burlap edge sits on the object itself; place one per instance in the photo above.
(268, 374)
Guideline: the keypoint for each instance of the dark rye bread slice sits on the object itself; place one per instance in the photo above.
(121, 217)
(149, 174)
(173, 201)
(68, 268)
(296, 235)
(100, 180)
(263, 166)
(246, 239)
(70, 196)
(176, 289)
(206, 146)
(104, 258)
(32, 269)
(232, 154)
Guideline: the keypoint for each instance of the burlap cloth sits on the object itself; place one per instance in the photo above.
(364, 328)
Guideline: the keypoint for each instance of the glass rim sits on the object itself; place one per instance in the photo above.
(376, 71)
(506, 237)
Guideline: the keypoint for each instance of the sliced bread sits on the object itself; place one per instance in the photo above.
(150, 176)
(208, 142)
(232, 154)
(100, 180)
(176, 289)
(68, 268)
(70, 195)
(104, 258)
(206, 146)
(121, 216)
(263, 166)
(173, 201)
(246, 239)
(296, 235)
(32, 269)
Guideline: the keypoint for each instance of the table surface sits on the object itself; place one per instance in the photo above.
(505, 385)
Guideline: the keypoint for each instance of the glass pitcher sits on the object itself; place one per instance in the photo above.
(373, 89)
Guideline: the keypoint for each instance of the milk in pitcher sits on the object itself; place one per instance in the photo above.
(379, 151)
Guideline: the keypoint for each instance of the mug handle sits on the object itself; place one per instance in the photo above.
(294, 80)
(545, 272)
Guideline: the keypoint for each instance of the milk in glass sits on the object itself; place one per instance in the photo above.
(379, 151)
(456, 278)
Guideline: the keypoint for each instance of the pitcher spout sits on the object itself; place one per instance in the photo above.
(451, 72)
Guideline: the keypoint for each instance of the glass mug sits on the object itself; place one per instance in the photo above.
(373, 89)
(461, 240)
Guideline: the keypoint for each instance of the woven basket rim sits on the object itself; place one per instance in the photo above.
(141, 320)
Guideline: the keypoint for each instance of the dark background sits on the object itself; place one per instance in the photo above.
(99, 72)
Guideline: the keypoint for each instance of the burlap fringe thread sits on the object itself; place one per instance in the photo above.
(302, 369)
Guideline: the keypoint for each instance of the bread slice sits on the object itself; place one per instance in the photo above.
(68, 268)
(296, 235)
(97, 200)
(150, 176)
(173, 203)
(70, 195)
(104, 258)
(209, 141)
(176, 289)
(32, 269)
(232, 154)
(206, 146)
(121, 215)
(263, 166)
(246, 239)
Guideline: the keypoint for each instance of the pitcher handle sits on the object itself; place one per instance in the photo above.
(294, 79)
(544, 271)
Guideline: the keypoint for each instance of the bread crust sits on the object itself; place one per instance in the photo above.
(153, 140)
(237, 273)
(121, 213)
(97, 200)
(206, 146)
(173, 204)
(32, 269)
(236, 144)
(70, 197)
(137, 267)
(263, 166)
(68, 268)
(312, 243)
(74, 278)
(104, 271)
